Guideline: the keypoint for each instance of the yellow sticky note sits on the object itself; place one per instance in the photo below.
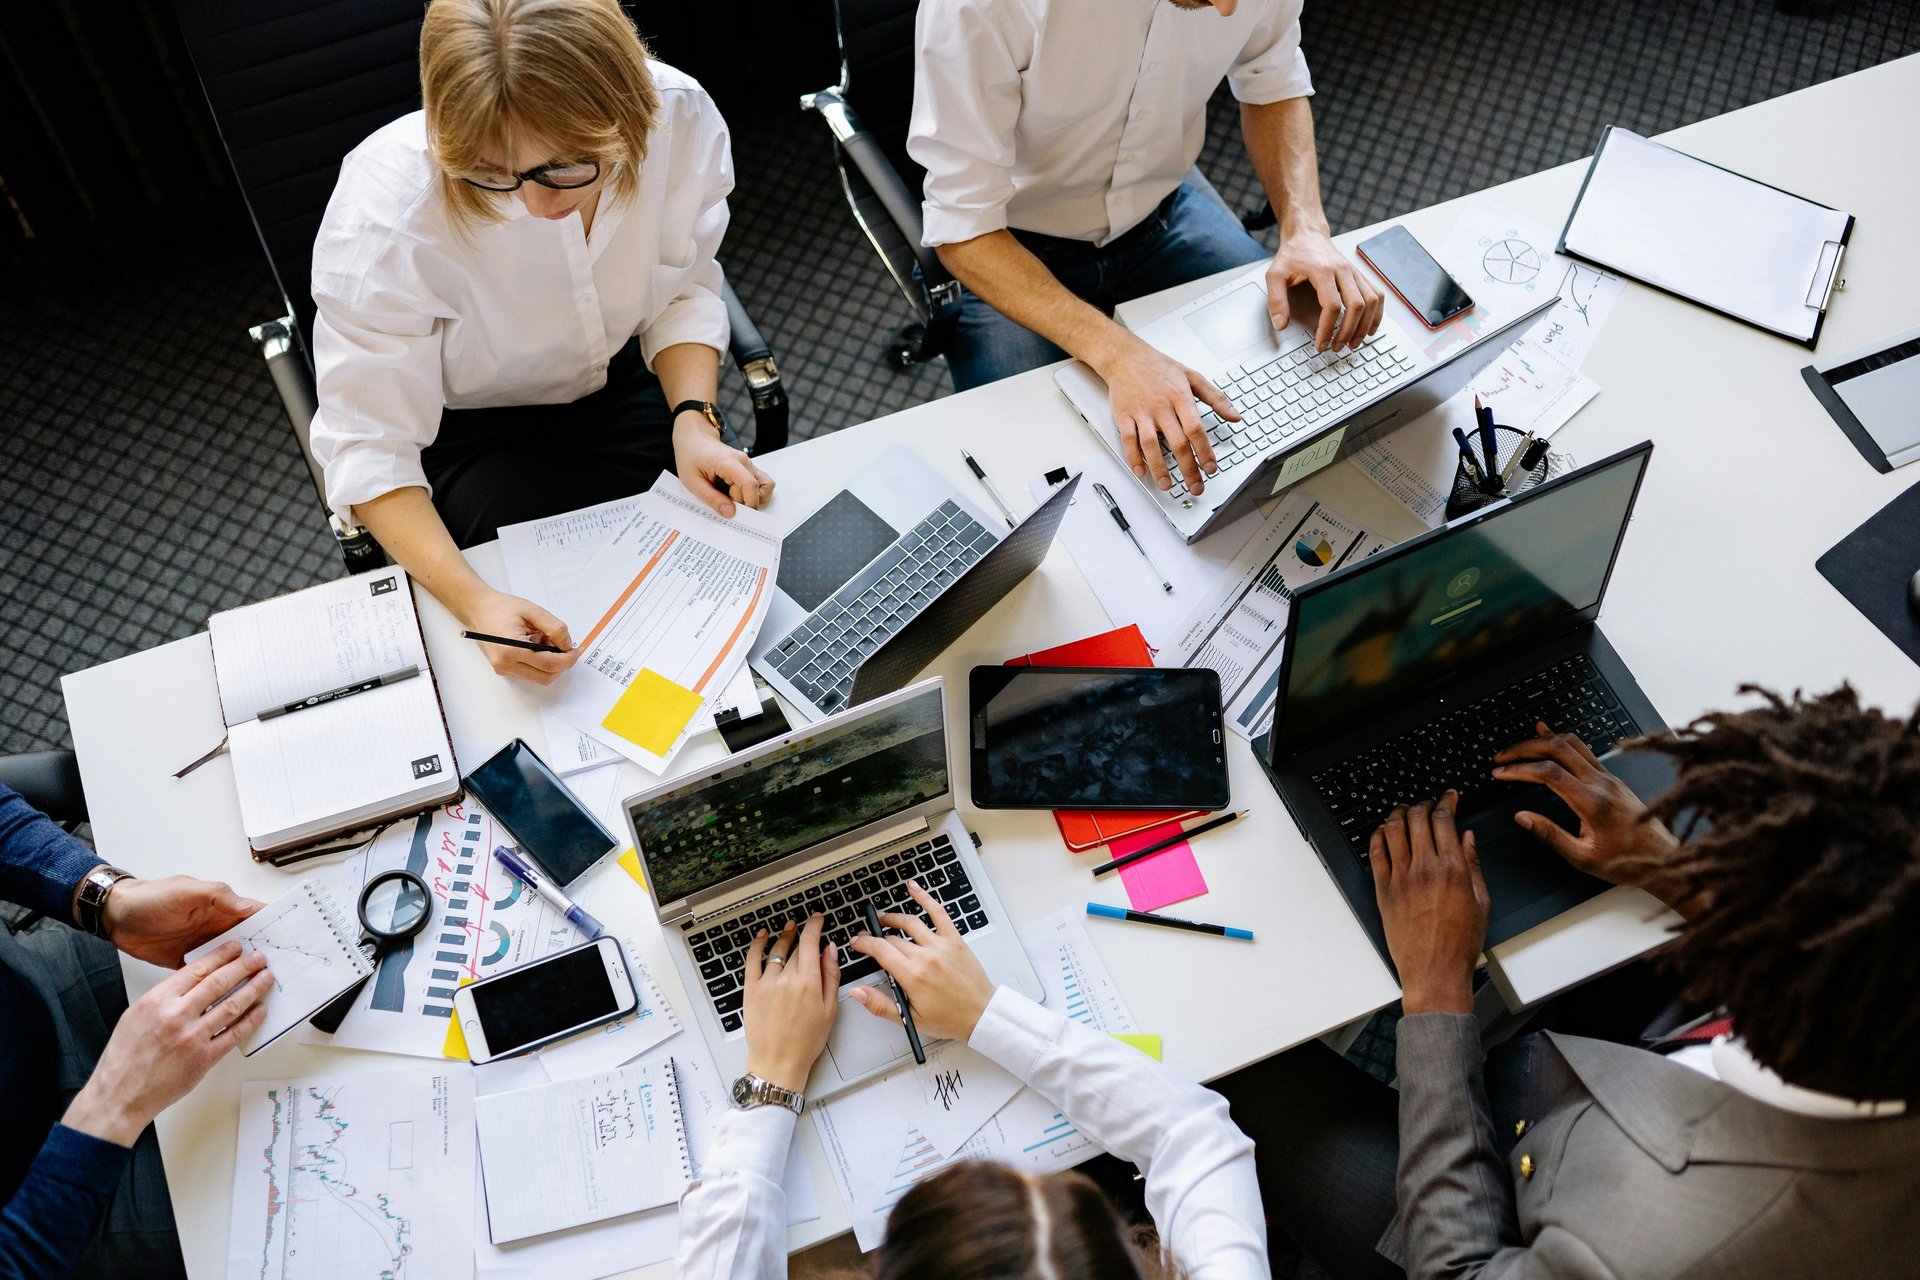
(455, 1045)
(630, 862)
(1149, 1045)
(652, 712)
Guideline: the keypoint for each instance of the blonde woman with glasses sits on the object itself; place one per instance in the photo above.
(519, 310)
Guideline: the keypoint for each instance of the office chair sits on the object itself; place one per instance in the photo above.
(293, 86)
(50, 782)
(882, 183)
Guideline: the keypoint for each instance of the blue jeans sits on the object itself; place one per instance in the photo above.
(1187, 237)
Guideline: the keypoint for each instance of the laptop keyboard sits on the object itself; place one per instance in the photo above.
(820, 656)
(720, 948)
(1456, 750)
(1292, 393)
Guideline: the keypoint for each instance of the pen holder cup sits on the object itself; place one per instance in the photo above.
(1467, 497)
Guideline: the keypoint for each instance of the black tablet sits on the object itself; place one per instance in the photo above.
(1097, 738)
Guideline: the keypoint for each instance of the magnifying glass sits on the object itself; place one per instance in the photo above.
(394, 906)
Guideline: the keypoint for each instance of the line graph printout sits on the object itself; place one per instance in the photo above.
(484, 921)
(676, 599)
(1236, 630)
(310, 946)
(344, 1177)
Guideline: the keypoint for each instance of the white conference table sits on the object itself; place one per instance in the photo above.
(1750, 482)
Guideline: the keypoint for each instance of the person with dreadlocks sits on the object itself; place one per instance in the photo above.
(1777, 1134)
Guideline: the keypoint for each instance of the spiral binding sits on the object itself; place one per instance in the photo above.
(337, 924)
(679, 1118)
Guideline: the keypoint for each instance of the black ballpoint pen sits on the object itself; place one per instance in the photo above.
(344, 691)
(899, 996)
(981, 476)
(1120, 518)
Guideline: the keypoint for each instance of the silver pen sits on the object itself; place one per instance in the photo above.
(1120, 518)
(992, 492)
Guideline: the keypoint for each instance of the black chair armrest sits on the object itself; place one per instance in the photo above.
(294, 381)
(870, 159)
(49, 781)
(754, 357)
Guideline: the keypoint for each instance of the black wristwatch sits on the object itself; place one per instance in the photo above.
(706, 408)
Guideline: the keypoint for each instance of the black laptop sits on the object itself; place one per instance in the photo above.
(1404, 673)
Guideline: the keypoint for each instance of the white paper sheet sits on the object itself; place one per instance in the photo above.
(1238, 628)
(1527, 390)
(877, 1153)
(1507, 263)
(485, 921)
(679, 591)
(362, 1175)
(1127, 589)
(1716, 237)
(546, 562)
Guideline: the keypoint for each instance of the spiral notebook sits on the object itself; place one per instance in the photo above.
(312, 948)
(577, 1151)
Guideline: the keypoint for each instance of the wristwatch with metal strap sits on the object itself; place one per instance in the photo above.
(751, 1091)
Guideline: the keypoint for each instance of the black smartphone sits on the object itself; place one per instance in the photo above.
(1097, 738)
(545, 819)
(1411, 273)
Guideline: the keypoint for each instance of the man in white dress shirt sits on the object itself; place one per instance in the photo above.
(1058, 137)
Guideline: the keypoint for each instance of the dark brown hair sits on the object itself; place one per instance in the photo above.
(984, 1221)
(1801, 822)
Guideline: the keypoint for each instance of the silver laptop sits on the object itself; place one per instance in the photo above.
(1297, 405)
(885, 575)
(822, 819)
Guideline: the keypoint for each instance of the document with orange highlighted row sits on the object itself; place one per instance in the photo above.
(664, 614)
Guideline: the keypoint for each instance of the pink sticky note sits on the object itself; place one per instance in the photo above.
(1171, 875)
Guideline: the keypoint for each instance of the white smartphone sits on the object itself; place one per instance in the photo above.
(545, 1001)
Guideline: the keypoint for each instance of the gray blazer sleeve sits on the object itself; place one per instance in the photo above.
(1457, 1214)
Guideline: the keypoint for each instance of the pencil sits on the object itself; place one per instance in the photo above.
(538, 646)
(1168, 843)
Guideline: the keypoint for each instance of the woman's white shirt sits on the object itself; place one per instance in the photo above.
(413, 318)
(1201, 1188)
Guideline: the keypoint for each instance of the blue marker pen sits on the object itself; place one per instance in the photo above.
(561, 902)
(1169, 922)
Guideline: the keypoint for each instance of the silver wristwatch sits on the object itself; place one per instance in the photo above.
(751, 1091)
(90, 907)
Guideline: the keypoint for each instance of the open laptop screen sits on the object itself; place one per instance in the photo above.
(818, 786)
(1461, 595)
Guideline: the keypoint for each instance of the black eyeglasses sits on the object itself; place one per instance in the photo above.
(566, 176)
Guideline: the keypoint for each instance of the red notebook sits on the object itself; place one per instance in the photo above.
(1123, 647)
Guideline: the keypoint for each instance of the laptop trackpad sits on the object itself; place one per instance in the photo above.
(1527, 882)
(860, 1042)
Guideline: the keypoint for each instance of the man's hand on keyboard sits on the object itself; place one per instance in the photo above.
(942, 977)
(1433, 904)
(793, 991)
(1350, 304)
(1616, 841)
(1152, 396)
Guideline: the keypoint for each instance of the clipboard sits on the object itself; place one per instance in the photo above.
(1664, 242)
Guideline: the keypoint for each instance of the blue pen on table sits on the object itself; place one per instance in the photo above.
(1472, 463)
(899, 996)
(1489, 445)
(574, 913)
(1166, 922)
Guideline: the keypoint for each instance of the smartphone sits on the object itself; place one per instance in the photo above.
(1411, 273)
(545, 819)
(1097, 738)
(545, 1001)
